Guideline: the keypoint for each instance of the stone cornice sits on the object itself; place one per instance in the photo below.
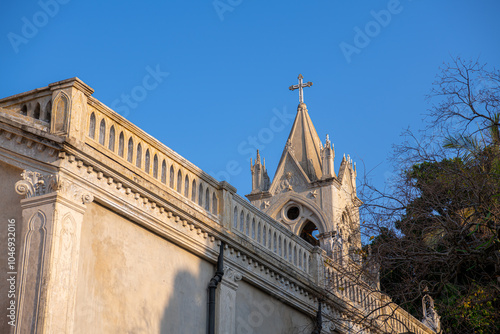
(34, 92)
(72, 82)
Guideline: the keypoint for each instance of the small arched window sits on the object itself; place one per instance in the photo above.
(247, 226)
(48, 113)
(163, 172)
(253, 228)
(207, 200)
(179, 181)
(193, 191)
(258, 232)
(121, 143)
(235, 217)
(242, 221)
(155, 166)
(200, 195)
(186, 187)
(91, 126)
(147, 161)
(111, 143)
(172, 177)
(130, 150)
(264, 236)
(61, 113)
(102, 132)
(138, 158)
(279, 245)
(214, 204)
(36, 112)
(24, 110)
(269, 245)
(275, 243)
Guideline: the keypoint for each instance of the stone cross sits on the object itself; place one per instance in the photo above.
(300, 86)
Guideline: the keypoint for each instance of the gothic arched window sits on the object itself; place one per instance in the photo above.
(147, 161)
(186, 186)
(121, 143)
(309, 233)
(179, 181)
(172, 177)
(36, 113)
(48, 113)
(91, 126)
(193, 191)
(214, 203)
(102, 132)
(130, 150)
(163, 172)
(138, 158)
(155, 166)
(111, 143)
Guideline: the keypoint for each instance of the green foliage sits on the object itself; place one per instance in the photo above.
(447, 236)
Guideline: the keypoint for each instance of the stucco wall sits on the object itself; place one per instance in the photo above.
(10, 208)
(259, 313)
(127, 278)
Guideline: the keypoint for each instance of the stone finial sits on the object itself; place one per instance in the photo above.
(260, 179)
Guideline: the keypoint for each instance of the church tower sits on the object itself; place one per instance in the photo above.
(306, 195)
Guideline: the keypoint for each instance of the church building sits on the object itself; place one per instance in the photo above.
(104, 229)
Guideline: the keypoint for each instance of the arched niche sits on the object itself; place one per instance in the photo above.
(60, 115)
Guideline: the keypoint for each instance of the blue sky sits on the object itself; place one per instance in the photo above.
(224, 67)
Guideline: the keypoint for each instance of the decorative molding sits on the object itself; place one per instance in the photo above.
(232, 275)
(37, 184)
(31, 267)
(34, 184)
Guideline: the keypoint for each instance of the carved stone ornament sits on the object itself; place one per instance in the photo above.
(289, 147)
(232, 275)
(431, 318)
(36, 184)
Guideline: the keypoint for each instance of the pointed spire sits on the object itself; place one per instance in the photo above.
(260, 179)
(304, 143)
(327, 157)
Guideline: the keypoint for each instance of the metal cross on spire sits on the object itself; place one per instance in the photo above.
(300, 86)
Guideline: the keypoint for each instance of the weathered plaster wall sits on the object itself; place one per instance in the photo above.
(10, 208)
(132, 281)
(259, 313)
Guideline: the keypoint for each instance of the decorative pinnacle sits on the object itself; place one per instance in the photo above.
(300, 87)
